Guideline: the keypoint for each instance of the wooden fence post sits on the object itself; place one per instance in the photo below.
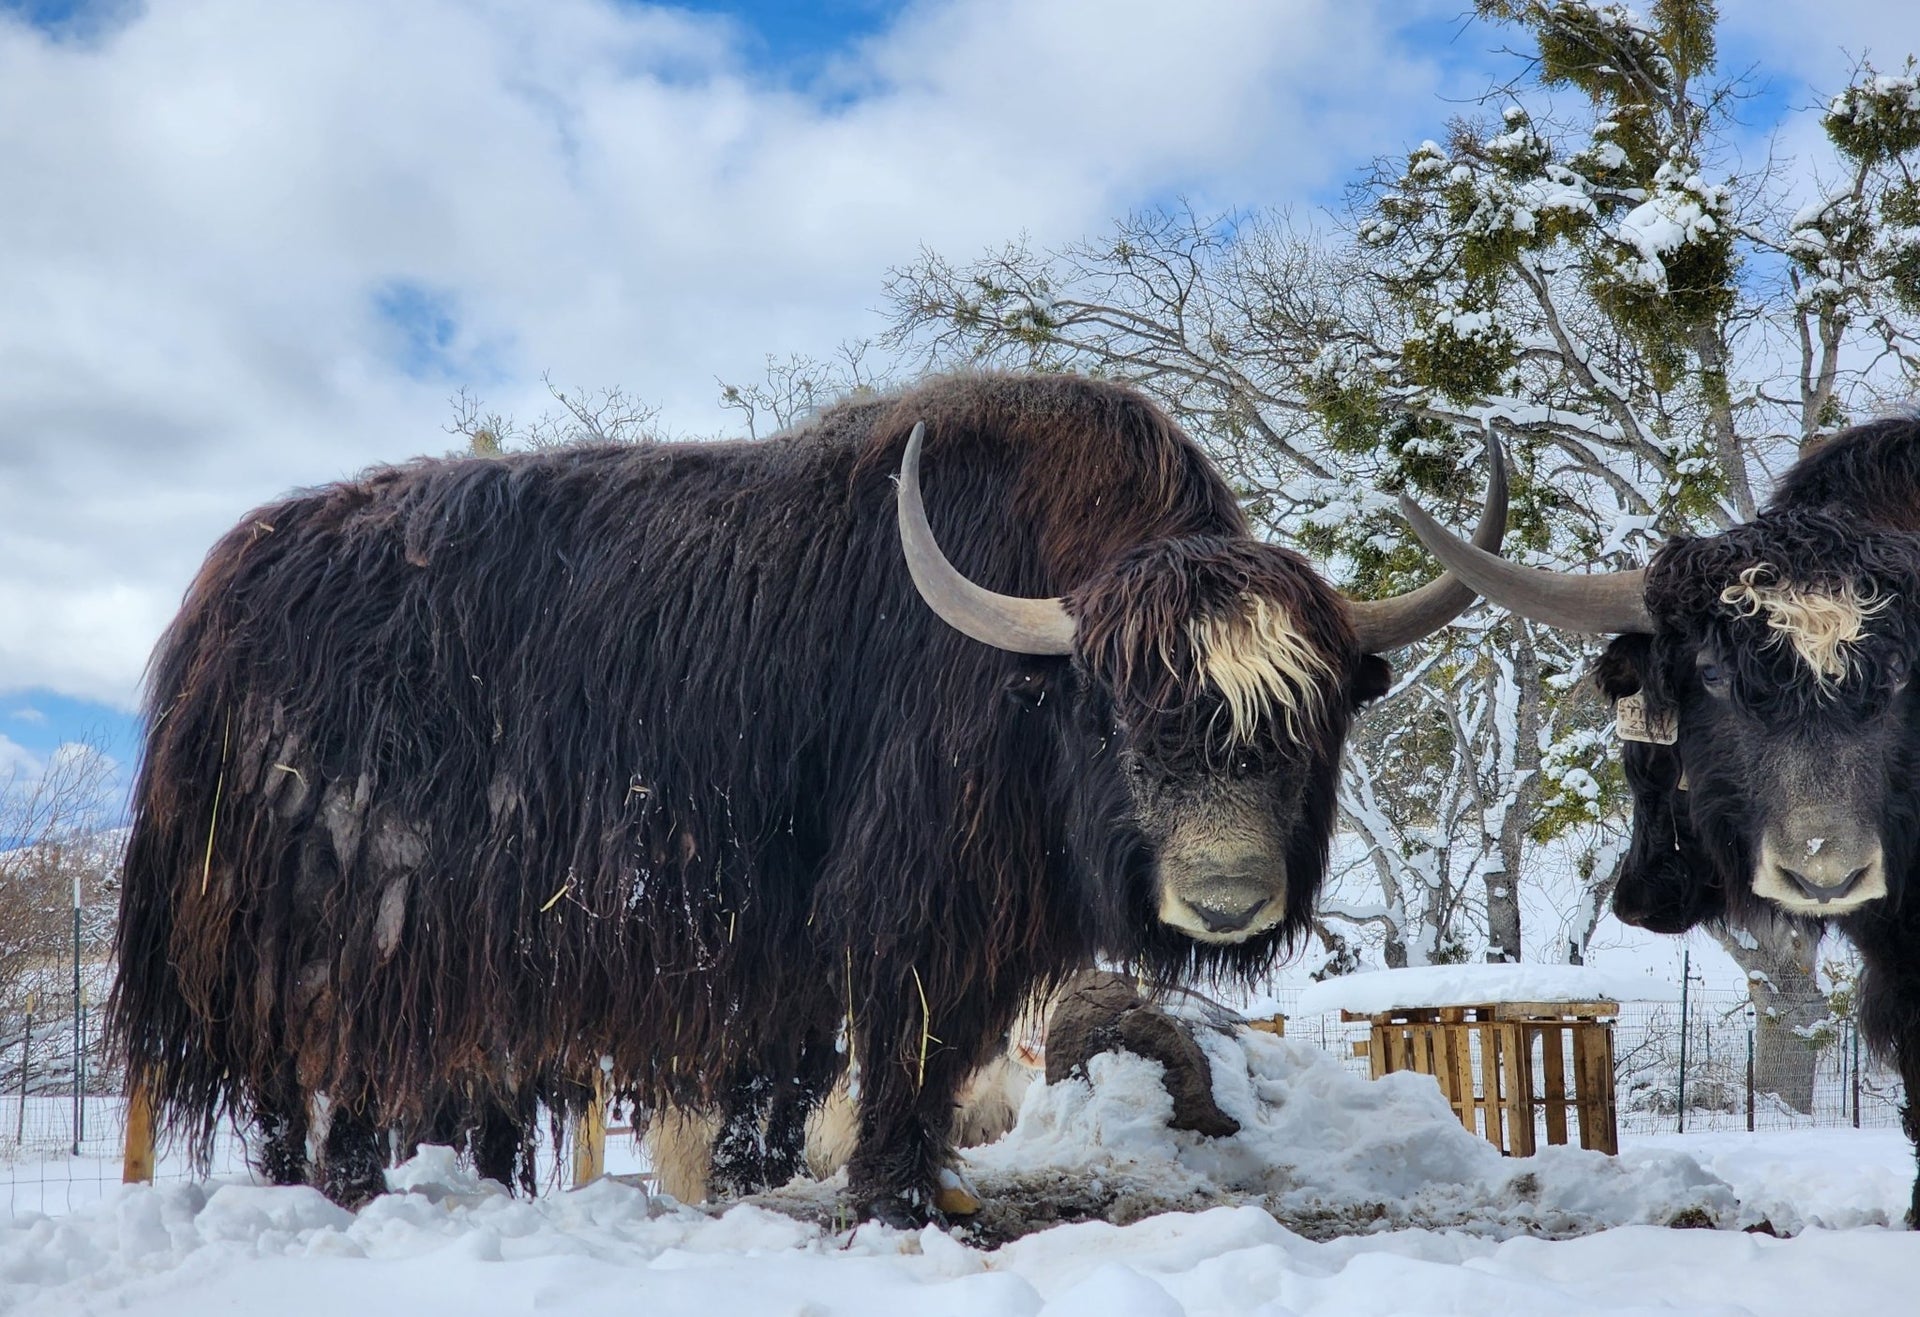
(136, 1164)
(590, 1135)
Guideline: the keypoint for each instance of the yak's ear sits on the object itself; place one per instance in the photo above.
(1643, 710)
(1372, 679)
(1625, 666)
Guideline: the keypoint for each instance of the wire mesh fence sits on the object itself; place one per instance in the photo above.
(62, 1100)
(1707, 1065)
(1719, 1067)
(1729, 1074)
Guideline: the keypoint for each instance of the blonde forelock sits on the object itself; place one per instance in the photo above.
(1822, 625)
(1261, 664)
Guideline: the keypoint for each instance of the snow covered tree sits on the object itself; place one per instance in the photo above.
(53, 842)
(1670, 334)
(795, 387)
(609, 416)
(1579, 272)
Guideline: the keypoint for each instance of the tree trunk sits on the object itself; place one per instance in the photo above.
(1503, 902)
(1712, 351)
(1394, 950)
(1600, 873)
(1779, 959)
(1520, 805)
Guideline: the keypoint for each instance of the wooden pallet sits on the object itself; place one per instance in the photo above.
(1500, 1063)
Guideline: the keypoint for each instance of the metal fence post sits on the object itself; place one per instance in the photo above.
(1846, 1032)
(1686, 980)
(1749, 1079)
(80, 1071)
(26, 1065)
(77, 1108)
(1854, 1029)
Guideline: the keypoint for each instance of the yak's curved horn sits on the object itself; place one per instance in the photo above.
(1602, 603)
(1024, 626)
(1387, 624)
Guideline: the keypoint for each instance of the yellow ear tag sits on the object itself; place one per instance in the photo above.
(1634, 721)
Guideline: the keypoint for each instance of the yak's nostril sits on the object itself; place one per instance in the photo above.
(1222, 920)
(1824, 892)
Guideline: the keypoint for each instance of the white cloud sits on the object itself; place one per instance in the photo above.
(17, 763)
(204, 209)
(27, 714)
(1818, 43)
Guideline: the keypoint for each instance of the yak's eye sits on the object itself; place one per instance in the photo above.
(1712, 675)
(1898, 672)
(1242, 766)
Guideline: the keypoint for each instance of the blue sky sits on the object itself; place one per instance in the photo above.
(799, 36)
(300, 227)
(39, 721)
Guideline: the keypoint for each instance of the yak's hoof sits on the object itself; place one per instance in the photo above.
(908, 1211)
(956, 1196)
(354, 1184)
(352, 1194)
(282, 1169)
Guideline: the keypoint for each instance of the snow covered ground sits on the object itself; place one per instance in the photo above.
(1340, 1195)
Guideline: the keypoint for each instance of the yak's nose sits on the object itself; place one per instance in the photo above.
(1822, 876)
(1223, 899)
(1828, 887)
(1226, 913)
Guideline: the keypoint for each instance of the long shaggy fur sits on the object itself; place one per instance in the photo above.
(464, 774)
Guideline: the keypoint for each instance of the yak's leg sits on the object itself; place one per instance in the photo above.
(1906, 1051)
(498, 1144)
(906, 1122)
(353, 1161)
(739, 1157)
(793, 1102)
(762, 1140)
(441, 1129)
(283, 1149)
(281, 1117)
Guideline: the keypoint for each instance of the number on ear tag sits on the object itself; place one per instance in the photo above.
(1634, 721)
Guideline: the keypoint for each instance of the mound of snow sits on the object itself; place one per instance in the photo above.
(1833, 1179)
(1328, 1152)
